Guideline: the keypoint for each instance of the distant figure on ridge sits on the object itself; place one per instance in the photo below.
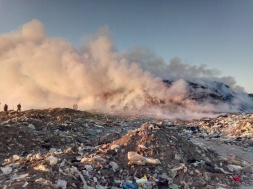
(19, 107)
(75, 106)
(5, 107)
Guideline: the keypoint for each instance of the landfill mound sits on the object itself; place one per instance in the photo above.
(214, 92)
(235, 127)
(65, 148)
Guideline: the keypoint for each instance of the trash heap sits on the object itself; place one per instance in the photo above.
(233, 125)
(64, 148)
(232, 128)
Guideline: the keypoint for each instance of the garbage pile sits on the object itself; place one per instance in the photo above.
(64, 148)
(235, 128)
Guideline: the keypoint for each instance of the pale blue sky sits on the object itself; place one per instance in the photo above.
(218, 33)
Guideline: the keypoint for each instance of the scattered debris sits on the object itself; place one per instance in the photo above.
(66, 148)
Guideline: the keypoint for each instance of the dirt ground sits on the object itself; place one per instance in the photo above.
(225, 150)
(65, 148)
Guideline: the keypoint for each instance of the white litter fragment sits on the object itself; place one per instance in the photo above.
(88, 168)
(141, 181)
(222, 170)
(95, 179)
(52, 160)
(142, 146)
(63, 163)
(6, 170)
(114, 165)
(31, 126)
(55, 151)
(18, 177)
(62, 184)
(232, 167)
(99, 126)
(24, 185)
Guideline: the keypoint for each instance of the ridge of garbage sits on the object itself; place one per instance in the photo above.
(65, 148)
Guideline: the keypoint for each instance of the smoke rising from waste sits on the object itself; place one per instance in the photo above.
(43, 72)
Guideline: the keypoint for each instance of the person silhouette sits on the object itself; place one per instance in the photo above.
(19, 107)
(5, 107)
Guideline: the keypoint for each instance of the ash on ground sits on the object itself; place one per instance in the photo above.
(65, 148)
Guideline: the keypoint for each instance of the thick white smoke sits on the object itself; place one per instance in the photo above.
(176, 69)
(42, 72)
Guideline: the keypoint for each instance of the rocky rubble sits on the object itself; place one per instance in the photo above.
(65, 148)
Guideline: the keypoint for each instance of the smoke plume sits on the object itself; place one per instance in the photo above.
(42, 72)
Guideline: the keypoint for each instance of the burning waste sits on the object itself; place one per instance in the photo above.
(147, 134)
(44, 71)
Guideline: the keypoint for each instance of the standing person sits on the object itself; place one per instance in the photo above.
(5, 107)
(75, 106)
(19, 107)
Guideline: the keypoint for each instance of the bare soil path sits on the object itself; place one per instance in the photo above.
(226, 150)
